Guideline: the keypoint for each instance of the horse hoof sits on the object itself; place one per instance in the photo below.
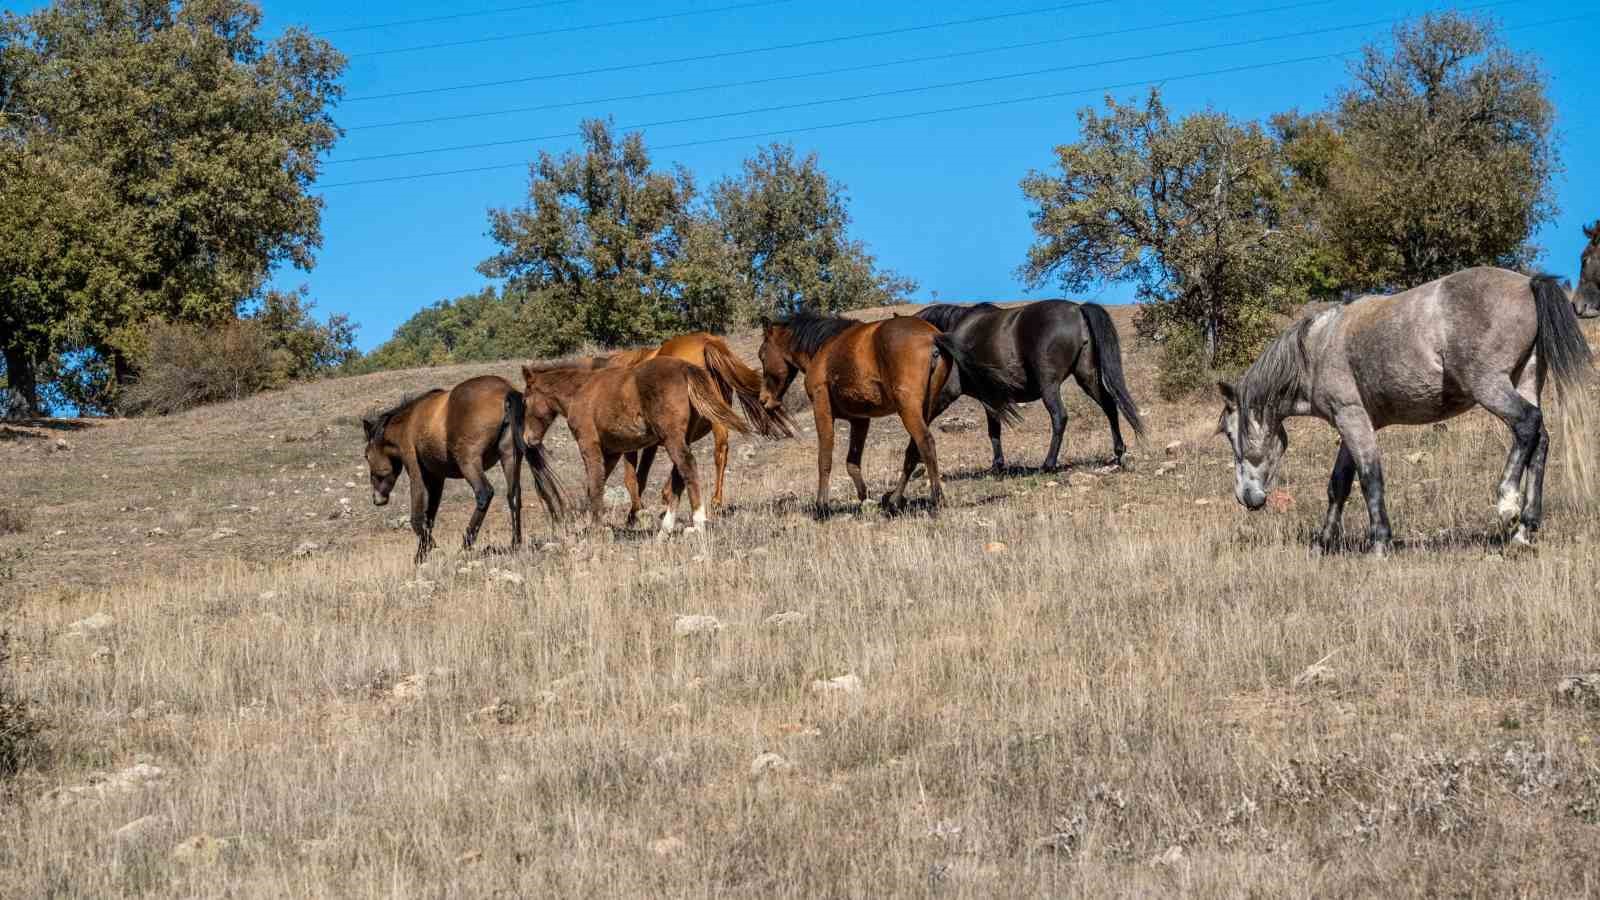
(1509, 510)
(1381, 550)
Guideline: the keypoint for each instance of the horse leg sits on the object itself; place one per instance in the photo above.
(684, 474)
(922, 444)
(1356, 431)
(1344, 473)
(1088, 378)
(483, 492)
(511, 467)
(1530, 386)
(852, 458)
(823, 411)
(596, 468)
(1058, 425)
(426, 491)
(1527, 425)
(719, 437)
(630, 480)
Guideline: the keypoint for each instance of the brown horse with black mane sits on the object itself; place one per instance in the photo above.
(859, 371)
(457, 434)
(616, 412)
(736, 380)
(1586, 296)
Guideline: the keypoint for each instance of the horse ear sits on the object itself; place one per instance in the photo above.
(1229, 395)
(527, 373)
(1592, 232)
(368, 426)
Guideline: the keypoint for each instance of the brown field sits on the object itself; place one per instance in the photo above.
(1146, 690)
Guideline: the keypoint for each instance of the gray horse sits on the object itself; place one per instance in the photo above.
(1586, 299)
(1481, 337)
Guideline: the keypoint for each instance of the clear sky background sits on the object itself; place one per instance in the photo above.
(935, 197)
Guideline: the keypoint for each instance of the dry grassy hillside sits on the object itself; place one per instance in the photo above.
(1087, 682)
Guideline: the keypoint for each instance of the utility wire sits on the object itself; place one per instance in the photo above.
(819, 73)
(896, 117)
(450, 17)
(569, 29)
(728, 54)
(876, 95)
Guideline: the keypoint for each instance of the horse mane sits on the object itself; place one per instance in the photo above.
(1273, 381)
(945, 316)
(625, 358)
(376, 423)
(808, 330)
(1592, 232)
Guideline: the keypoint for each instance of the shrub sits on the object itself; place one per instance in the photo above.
(19, 730)
(186, 366)
(13, 520)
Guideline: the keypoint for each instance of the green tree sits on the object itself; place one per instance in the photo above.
(787, 223)
(1447, 161)
(1193, 212)
(172, 150)
(592, 252)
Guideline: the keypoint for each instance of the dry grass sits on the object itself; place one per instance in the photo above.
(1108, 706)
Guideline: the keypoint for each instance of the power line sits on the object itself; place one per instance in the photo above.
(819, 73)
(896, 117)
(450, 17)
(569, 29)
(728, 54)
(876, 95)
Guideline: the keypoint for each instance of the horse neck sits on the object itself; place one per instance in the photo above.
(562, 384)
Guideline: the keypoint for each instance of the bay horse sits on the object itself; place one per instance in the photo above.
(616, 412)
(1480, 337)
(1586, 297)
(1038, 346)
(736, 380)
(859, 371)
(457, 434)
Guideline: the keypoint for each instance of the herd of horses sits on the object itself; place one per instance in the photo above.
(1480, 337)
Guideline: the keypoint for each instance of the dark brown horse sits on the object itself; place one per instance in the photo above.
(1038, 346)
(737, 380)
(616, 412)
(459, 434)
(859, 371)
(1586, 297)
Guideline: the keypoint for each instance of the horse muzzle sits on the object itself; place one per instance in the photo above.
(380, 499)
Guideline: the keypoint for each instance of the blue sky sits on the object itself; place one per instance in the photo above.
(934, 197)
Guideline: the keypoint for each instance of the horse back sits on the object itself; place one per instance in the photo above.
(866, 368)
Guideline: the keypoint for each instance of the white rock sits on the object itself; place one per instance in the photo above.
(683, 626)
(786, 618)
(505, 576)
(770, 764)
(306, 548)
(849, 683)
(140, 831)
(667, 846)
(200, 848)
(94, 624)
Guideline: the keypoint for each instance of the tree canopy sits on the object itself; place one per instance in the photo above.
(157, 159)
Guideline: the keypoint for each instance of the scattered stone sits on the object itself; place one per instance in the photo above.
(500, 712)
(995, 547)
(95, 624)
(957, 424)
(1318, 674)
(140, 831)
(684, 626)
(1166, 467)
(63, 445)
(1441, 426)
(1280, 501)
(1202, 502)
(201, 849)
(785, 619)
(1419, 457)
(102, 655)
(469, 857)
(616, 494)
(306, 548)
(1169, 857)
(1582, 690)
(770, 764)
(1109, 469)
(667, 846)
(1174, 448)
(747, 452)
(421, 684)
(505, 576)
(222, 533)
(849, 683)
(157, 531)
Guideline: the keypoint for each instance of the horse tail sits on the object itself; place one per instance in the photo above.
(545, 481)
(705, 399)
(1565, 352)
(1107, 349)
(743, 382)
(984, 383)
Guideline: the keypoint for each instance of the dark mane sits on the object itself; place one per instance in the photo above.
(1592, 232)
(1273, 381)
(375, 423)
(808, 330)
(945, 316)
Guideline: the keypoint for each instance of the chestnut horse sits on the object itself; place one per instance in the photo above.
(859, 371)
(616, 412)
(737, 380)
(459, 434)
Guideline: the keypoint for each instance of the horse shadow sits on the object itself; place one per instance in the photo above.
(1014, 471)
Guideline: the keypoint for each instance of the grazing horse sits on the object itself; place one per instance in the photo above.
(858, 371)
(1480, 337)
(616, 412)
(1586, 298)
(1037, 346)
(736, 379)
(457, 434)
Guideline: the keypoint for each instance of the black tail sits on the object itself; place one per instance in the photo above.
(981, 382)
(1561, 343)
(1108, 359)
(545, 481)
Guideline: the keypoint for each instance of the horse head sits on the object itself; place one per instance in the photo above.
(1586, 297)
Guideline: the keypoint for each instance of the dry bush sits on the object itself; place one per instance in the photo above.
(13, 520)
(187, 366)
(19, 729)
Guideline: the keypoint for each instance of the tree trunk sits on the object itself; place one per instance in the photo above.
(22, 377)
